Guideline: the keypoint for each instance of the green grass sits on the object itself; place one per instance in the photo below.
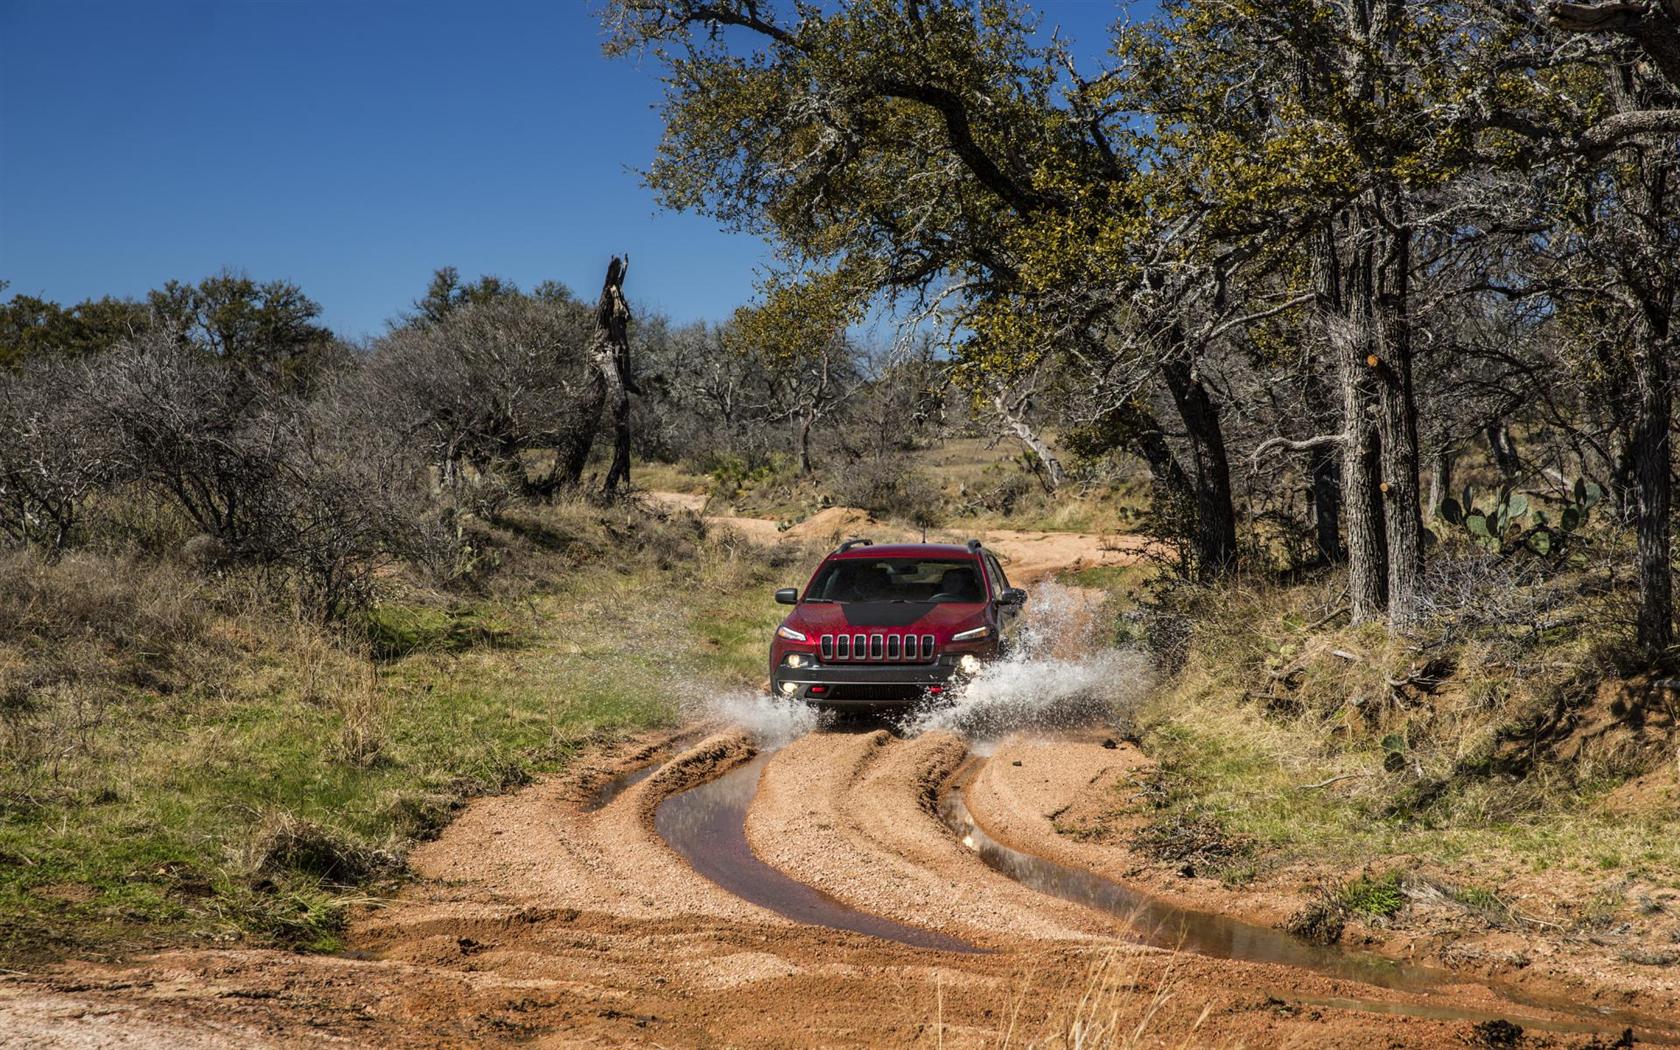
(1258, 777)
(396, 630)
(157, 825)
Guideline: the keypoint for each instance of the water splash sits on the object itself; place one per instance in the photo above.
(772, 722)
(1060, 673)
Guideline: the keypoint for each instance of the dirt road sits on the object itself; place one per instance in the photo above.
(1028, 555)
(571, 914)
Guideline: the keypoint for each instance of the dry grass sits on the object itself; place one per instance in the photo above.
(958, 482)
(365, 709)
(1121, 999)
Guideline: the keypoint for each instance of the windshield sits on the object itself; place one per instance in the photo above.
(897, 580)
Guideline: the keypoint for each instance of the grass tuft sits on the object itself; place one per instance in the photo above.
(286, 844)
(1372, 897)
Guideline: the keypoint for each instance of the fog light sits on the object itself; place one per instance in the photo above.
(969, 664)
(798, 660)
(788, 688)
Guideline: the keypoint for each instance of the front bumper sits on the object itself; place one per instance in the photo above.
(877, 685)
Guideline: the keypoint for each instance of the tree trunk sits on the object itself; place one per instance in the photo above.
(571, 457)
(1651, 467)
(1052, 476)
(1647, 187)
(619, 473)
(1348, 337)
(1397, 421)
(1324, 469)
(1216, 519)
(1440, 483)
(804, 441)
(611, 348)
(1503, 451)
(1173, 497)
(1326, 504)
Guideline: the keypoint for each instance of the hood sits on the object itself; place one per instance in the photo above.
(820, 617)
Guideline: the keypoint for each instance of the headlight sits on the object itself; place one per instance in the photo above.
(969, 636)
(799, 660)
(784, 631)
(788, 688)
(969, 664)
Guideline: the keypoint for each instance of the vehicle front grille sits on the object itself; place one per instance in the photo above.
(877, 647)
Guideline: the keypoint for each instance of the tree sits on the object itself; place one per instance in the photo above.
(489, 385)
(1654, 28)
(30, 326)
(54, 456)
(185, 424)
(446, 293)
(610, 348)
(1615, 267)
(268, 328)
(921, 148)
(798, 336)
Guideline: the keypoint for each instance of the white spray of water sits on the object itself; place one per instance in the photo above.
(1059, 674)
(772, 722)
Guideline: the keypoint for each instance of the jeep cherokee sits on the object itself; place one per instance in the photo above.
(890, 624)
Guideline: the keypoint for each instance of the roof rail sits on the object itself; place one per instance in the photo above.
(974, 546)
(856, 541)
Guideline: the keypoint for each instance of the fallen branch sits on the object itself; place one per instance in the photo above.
(1333, 780)
(1327, 617)
(1529, 918)
(1414, 678)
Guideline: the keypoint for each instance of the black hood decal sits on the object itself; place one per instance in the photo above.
(884, 614)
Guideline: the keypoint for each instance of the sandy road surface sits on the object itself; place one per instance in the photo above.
(541, 921)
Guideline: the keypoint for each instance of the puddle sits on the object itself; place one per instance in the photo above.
(603, 796)
(619, 785)
(707, 826)
(1150, 921)
(1153, 922)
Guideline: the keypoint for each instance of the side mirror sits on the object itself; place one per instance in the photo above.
(788, 596)
(1012, 596)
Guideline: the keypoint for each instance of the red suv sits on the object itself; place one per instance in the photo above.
(890, 624)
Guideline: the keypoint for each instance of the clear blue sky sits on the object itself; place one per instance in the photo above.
(352, 146)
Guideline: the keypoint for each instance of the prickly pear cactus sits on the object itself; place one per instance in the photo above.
(1509, 521)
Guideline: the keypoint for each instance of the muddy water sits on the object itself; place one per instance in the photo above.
(617, 786)
(707, 825)
(1154, 922)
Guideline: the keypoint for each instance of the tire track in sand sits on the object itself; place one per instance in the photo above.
(852, 815)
